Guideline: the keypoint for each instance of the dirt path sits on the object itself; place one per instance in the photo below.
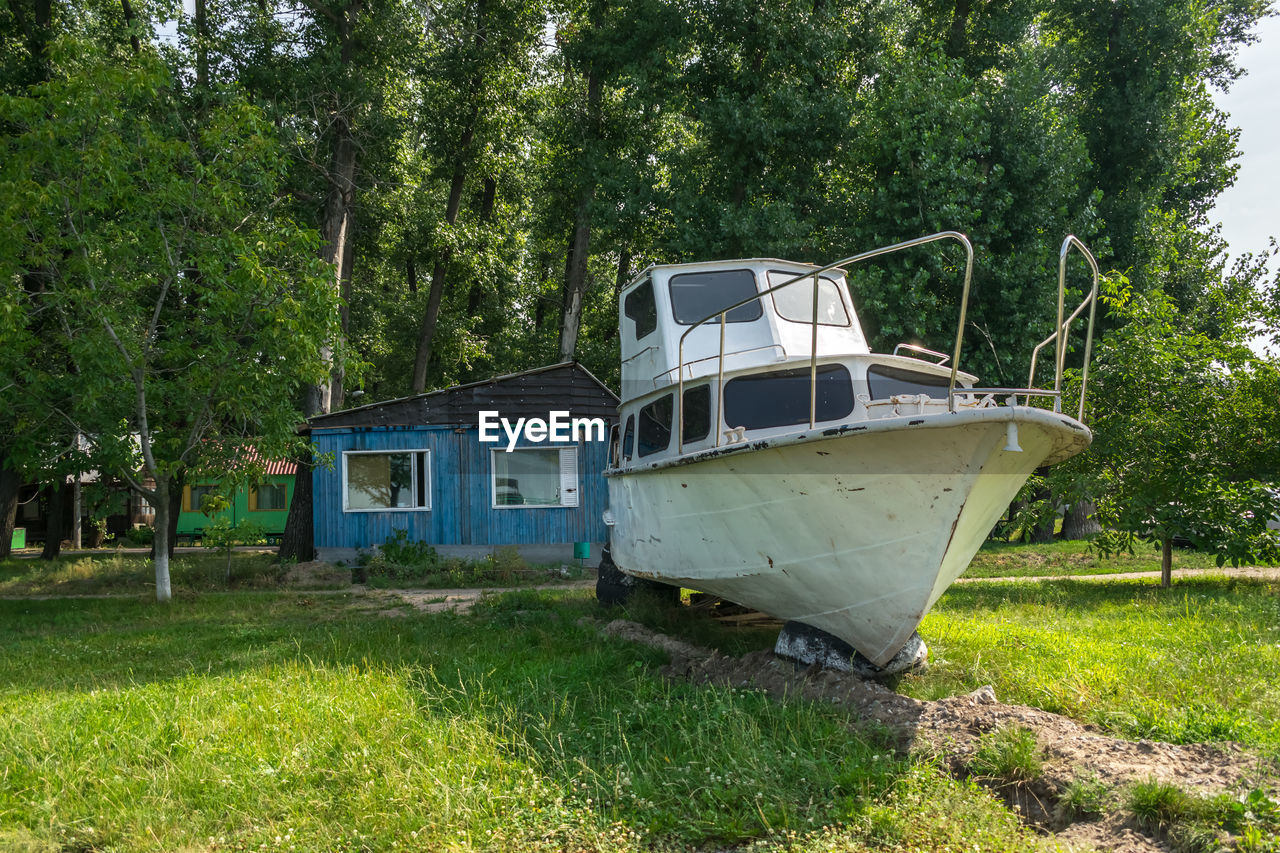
(1253, 572)
(456, 600)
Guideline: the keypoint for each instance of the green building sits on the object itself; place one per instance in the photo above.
(266, 503)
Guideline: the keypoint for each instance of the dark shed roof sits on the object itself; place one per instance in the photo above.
(532, 393)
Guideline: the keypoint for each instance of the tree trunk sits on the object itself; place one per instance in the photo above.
(77, 514)
(297, 544)
(338, 392)
(1080, 522)
(957, 41)
(335, 226)
(575, 279)
(427, 333)
(1042, 534)
(487, 201)
(10, 483)
(1166, 562)
(163, 542)
(202, 46)
(175, 508)
(128, 20)
(335, 219)
(55, 521)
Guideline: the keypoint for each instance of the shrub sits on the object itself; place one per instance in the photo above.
(399, 561)
(138, 537)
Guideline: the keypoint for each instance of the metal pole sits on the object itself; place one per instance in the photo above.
(720, 381)
(813, 359)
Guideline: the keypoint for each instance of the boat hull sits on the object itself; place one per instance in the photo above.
(855, 530)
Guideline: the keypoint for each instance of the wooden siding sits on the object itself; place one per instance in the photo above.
(462, 511)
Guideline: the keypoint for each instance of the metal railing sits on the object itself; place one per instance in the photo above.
(1059, 335)
(813, 357)
(942, 357)
(1064, 328)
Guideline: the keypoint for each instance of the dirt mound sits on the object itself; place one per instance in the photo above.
(952, 728)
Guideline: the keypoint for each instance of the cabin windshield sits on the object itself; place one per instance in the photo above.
(697, 295)
(795, 302)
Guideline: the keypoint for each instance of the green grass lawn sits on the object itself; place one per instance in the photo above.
(126, 573)
(284, 721)
(1003, 560)
(276, 720)
(1198, 662)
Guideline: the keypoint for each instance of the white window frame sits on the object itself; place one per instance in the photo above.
(426, 491)
(568, 469)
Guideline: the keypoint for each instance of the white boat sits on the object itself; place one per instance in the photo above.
(766, 456)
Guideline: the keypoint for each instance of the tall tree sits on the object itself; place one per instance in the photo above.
(477, 72)
(1186, 423)
(171, 271)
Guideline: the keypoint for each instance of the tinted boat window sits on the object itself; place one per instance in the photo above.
(795, 302)
(628, 440)
(695, 295)
(655, 426)
(697, 413)
(781, 398)
(640, 309)
(884, 381)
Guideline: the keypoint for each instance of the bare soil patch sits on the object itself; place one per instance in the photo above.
(951, 728)
(317, 574)
(460, 600)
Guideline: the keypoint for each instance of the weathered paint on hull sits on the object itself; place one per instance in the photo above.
(855, 531)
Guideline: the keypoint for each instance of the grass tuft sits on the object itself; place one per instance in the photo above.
(1085, 799)
(1009, 754)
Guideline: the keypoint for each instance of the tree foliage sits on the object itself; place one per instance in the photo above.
(1188, 432)
(484, 175)
(180, 308)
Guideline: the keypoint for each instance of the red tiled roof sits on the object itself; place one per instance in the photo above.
(274, 467)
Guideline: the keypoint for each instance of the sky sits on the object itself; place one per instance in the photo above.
(1250, 210)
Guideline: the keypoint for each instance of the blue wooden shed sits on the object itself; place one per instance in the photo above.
(514, 460)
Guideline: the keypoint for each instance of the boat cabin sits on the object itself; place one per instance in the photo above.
(775, 364)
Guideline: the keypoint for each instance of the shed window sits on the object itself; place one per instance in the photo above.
(884, 381)
(377, 481)
(535, 477)
(641, 310)
(268, 497)
(193, 496)
(696, 295)
(795, 302)
(655, 425)
(781, 397)
(696, 417)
